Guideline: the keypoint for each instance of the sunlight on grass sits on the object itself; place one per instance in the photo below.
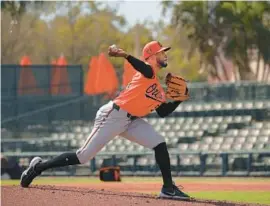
(260, 197)
(86, 180)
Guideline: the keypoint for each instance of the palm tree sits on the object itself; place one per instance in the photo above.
(225, 28)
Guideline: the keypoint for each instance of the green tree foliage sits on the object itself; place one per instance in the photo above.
(80, 30)
(18, 8)
(247, 32)
(223, 30)
(75, 34)
(18, 28)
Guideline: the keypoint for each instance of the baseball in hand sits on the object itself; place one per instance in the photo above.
(113, 48)
(116, 52)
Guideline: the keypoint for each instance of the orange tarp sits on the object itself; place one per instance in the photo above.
(129, 72)
(107, 81)
(101, 77)
(27, 81)
(89, 87)
(60, 81)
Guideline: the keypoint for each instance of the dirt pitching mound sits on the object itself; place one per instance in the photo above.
(71, 196)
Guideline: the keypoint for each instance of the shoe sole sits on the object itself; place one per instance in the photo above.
(33, 162)
(164, 196)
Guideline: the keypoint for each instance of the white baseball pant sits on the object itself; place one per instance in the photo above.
(109, 123)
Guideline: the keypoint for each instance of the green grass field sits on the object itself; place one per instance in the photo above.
(261, 197)
(236, 196)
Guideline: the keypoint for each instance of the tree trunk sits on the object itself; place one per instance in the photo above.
(264, 71)
(223, 68)
(258, 66)
(267, 73)
(245, 75)
(236, 72)
(73, 53)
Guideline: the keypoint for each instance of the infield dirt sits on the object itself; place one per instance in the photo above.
(115, 194)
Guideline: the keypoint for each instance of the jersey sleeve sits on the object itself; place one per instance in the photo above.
(166, 109)
(145, 69)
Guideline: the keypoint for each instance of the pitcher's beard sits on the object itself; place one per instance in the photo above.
(162, 64)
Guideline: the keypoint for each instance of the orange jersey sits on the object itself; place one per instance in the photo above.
(141, 96)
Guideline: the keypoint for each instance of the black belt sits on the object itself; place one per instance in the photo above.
(115, 106)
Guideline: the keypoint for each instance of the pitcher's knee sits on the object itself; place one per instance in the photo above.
(158, 141)
(83, 156)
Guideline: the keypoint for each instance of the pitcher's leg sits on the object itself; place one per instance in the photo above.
(65, 159)
(94, 143)
(143, 133)
(100, 135)
(108, 124)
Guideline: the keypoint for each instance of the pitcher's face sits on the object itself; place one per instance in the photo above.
(162, 59)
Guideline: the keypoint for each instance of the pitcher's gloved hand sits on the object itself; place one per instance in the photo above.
(176, 88)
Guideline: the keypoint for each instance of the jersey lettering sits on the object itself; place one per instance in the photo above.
(141, 96)
(152, 92)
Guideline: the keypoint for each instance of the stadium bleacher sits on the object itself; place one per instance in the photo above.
(203, 130)
(225, 130)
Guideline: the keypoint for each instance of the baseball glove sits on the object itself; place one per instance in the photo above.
(176, 88)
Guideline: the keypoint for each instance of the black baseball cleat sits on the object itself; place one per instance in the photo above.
(29, 174)
(173, 193)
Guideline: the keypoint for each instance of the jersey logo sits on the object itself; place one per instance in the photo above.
(153, 92)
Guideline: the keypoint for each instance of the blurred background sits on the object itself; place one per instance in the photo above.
(55, 74)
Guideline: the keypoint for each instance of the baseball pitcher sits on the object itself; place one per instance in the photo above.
(123, 117)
